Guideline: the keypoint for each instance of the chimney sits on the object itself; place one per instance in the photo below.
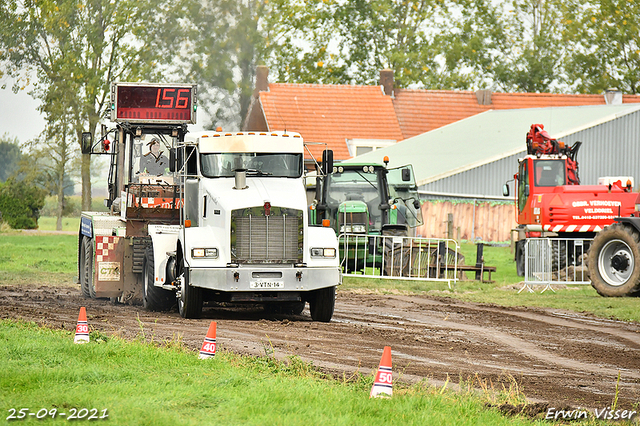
(613, 96)
(386, 81)
(262, 79)
(483, 97)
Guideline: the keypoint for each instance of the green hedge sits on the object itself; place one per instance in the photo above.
(20, 204)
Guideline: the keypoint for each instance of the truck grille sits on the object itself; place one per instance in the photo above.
(260, 238)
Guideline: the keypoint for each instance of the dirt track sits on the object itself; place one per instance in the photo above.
(555, 356)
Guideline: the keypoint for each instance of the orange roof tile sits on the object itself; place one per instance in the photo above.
(420, 111)
(331, 114)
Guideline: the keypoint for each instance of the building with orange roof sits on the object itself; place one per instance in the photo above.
(352, 119)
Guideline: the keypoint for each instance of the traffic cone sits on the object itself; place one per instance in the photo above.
(382, 386)
(208, 349)
(82, 329)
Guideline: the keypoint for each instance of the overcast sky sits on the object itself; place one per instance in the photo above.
(19, 115)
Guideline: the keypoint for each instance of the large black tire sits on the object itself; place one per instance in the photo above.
(520, 257)
(614, 261)
(86, 269)
(190, 298)
(154, 298)
(322, 303)
(559, 255)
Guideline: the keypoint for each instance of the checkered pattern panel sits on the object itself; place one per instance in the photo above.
(105, 248)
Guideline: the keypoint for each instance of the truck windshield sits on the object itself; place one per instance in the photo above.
(549, 172)
(256, 164)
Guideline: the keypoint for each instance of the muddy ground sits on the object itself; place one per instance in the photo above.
(555, 356)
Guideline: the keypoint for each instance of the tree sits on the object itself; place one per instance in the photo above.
(220, 54)
(604, 37)
(10, 155)
(515, 45)
(20, 203)
(80, 46)
(350, 42)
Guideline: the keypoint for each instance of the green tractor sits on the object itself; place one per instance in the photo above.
(365, 200)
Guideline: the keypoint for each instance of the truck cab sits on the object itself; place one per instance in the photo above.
(368, 199)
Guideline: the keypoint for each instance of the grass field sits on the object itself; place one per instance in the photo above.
(140, 383)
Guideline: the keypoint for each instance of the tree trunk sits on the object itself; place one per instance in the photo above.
(60, 207)
(86, 182)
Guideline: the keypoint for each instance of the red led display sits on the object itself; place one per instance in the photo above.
(154, 103)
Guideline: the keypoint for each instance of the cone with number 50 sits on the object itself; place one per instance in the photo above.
(382, 385)
(209, 345)
(82, 329)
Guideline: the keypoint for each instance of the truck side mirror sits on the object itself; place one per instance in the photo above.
(505, 190)
(172, 160)
(526, 190)
(406, 175)
(85, 142)
(327, 161)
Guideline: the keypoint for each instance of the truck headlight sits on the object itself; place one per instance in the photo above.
(205, 252)
(323, 252)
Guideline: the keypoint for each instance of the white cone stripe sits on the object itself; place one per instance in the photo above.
(381, 385)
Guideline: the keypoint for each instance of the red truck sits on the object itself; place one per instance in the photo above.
(550, 202)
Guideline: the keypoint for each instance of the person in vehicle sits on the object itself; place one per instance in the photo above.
(154, 162)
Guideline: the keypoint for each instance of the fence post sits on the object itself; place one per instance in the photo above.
(479, 260)
(450, 226)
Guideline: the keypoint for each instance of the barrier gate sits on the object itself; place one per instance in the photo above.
(555, 261)
(384, 256)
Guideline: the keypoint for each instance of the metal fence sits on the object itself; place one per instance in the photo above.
(555, 261)
(413, 258)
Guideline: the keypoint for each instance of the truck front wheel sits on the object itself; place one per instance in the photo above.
(189, 298)
(154, 298)
(614, 262)
(322, 303)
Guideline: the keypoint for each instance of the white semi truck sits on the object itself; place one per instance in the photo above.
(225, 221)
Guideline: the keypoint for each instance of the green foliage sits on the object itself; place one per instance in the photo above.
(20, 204)
(604, 38)
(10, 156)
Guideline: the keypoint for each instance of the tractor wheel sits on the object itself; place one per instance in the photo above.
(154, 298)
(86, 274)
(614, 262)
(322, 303)
(558, 255)
(189, 298)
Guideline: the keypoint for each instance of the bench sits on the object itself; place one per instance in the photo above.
(479, 270)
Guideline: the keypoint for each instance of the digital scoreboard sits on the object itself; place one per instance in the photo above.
(153, 103)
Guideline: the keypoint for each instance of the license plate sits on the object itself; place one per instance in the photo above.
(266, 284)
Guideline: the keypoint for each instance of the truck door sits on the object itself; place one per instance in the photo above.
(523, 190)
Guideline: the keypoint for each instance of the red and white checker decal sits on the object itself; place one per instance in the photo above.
(105, 248)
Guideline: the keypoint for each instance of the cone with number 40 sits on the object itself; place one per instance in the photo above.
(208, 349)
(82, 329)
(382, 385)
